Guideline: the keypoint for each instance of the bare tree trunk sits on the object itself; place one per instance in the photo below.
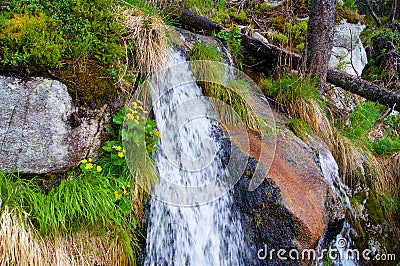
(393, 14)
(373, 14)
(366, 89)
(319, 38)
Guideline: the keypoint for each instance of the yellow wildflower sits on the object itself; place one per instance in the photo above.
(84, 161)
(124, 189)
(137, 122)
(117, 148)
(140, 102)
(117, 196)
(130, 116)
(120, 154)
(99, 169)
(157, 133)
(90, 160)
(89, 166)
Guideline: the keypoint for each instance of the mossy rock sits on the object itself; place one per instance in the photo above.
(91, 83)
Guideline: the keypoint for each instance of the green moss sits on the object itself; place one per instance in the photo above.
(90, 84)
(374, 209)
(299, 127)
(240, 17)
(266, 7)
(29, 42)
(203, 51)
(37, 35)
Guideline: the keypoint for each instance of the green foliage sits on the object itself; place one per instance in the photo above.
(299, 127)
(241, 17)
(291, 33)
(389, 202)
(221, 90)
(363, 118)
(350, 4)
(265, 7)
(258, 220)
(232, 39)
(372, 31)
(203, 51)
(113, 159)
(37, 34)
(342, 64)
(28, 39)
(291, 88)
(214, 10)
(279, 38)
(77, 201)
(298, 30)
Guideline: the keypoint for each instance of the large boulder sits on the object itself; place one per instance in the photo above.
(42, 130)
(348, 52)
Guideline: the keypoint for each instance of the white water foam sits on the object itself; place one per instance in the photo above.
(342, 242)
(207, 233)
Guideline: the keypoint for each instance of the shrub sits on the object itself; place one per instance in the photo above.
(29, 41)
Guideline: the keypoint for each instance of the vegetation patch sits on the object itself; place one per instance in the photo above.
(221, 90)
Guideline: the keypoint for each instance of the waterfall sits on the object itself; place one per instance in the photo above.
(190, 220)
(342, 243)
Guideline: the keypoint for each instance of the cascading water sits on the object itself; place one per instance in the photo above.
(186, 228)
(342, 243)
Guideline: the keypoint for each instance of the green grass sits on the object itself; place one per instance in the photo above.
(83, 201)
(363, 119)
(77, 201)
(299, 127)
(226, 92)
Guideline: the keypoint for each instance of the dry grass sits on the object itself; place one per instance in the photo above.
(18, 245)
(21, 245)
(146, 41)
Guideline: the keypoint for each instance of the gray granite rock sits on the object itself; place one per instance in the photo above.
(40, 130)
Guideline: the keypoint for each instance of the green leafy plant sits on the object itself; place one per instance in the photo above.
(258, 220)
(29, 40)
(232, 38)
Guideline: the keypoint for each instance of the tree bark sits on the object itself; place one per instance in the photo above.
(320, 39)
(366, 89)
(263, 51)
(393, 14)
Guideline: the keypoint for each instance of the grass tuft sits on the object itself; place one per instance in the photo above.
(146, 40)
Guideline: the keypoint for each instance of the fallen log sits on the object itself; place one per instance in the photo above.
(366, 89)
(261, 50)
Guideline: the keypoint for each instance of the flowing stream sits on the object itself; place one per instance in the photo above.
(342, 242)
(188, 226)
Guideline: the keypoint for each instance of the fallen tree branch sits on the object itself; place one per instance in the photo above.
(275, 54)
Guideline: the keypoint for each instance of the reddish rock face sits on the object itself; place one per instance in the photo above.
(297, 175)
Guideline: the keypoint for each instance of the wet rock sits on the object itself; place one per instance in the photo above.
(42, 130)
(292, 207)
